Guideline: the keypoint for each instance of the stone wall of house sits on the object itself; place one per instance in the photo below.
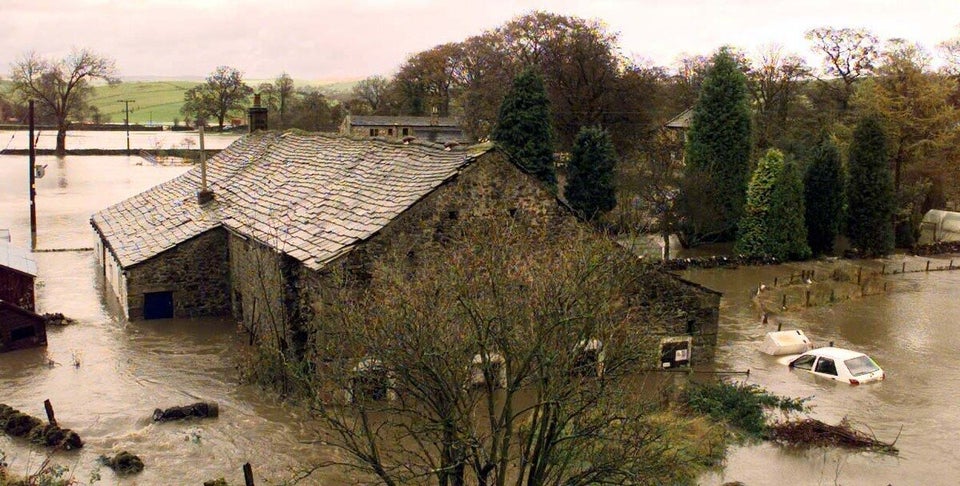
(257, 289)
(195, 271)
(495, 187)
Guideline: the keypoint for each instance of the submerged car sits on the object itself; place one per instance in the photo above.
(839, 364)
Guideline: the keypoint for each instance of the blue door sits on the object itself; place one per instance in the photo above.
(158, 305)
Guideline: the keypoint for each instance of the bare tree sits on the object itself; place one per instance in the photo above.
(848, 54)
(61, 86)
(506, 348)
(775, 85)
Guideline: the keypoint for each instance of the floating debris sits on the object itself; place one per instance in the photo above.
(123, 463)
(58, 319)
(812, 432)
(198, 410)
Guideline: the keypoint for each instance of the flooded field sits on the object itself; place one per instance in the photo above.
(80, 139)
(105, 376)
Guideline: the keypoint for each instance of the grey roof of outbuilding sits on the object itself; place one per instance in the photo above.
(17, 259)
(311, 196)
(403, 121)
(683, 120)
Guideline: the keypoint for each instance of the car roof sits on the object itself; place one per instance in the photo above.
(835, 353)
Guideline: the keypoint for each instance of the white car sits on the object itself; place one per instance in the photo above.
(839, 364)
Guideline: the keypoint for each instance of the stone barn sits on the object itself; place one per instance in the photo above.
(426, 128)
(288, 207)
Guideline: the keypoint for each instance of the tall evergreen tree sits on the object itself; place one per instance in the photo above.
(718, 152)
(772, 223)
(870, 194)
(823, 195)
(590, 189)
(523, 126)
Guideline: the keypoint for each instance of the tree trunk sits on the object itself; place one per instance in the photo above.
(666, 245)
(61, 139)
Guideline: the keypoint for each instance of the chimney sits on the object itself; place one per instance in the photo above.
(203, 195)
(257, 115)
(435, 117)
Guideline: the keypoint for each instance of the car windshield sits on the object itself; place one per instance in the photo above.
(861, 365)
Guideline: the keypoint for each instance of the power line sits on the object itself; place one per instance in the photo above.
(126, 119)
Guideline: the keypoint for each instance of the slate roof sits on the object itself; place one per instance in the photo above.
(403, 121)
(311, 196)
(17, 259)
(683, 120)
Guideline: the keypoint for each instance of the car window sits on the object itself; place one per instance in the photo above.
(804, 362)
(861, 365)
(826, 366)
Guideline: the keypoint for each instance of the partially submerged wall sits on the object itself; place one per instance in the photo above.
(195, 272)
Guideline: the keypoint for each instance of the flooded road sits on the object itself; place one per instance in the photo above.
(913, 332)
(105, 376)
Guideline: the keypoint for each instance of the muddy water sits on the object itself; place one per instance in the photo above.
(125, 370)
(913, 332)
(80, 139)
(105, 376)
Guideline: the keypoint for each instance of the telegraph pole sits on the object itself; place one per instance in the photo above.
(126, 119)
(33, 184)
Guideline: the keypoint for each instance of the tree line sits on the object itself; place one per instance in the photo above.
(785, 104)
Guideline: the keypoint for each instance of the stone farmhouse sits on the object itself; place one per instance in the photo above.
(426, 128)
(288, 207)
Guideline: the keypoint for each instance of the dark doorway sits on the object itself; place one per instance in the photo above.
(158, 305)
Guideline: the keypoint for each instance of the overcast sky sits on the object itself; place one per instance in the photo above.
(339, 40)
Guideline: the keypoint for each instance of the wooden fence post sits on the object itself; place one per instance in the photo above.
(808, 298)
(928, 265)
(903, 269)
(783, 303)
(49, 408)
(248, 474)
(859, 273)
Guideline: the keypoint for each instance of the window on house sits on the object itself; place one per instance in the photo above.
(374, 132)
(405, 132)
(390, 132)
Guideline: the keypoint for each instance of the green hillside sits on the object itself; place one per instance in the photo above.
(159, 102)
(156, 101)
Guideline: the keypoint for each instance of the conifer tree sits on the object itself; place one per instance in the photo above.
(773, 217)
(870, 194)
(590, 189)
(823, 196)
(523, 126)
(718, 151)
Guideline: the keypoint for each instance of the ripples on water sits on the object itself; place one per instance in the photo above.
(128, 369)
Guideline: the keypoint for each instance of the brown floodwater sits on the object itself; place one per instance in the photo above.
(127, 369)
(912, 331)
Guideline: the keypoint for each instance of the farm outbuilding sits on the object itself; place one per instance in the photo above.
(939, 226)
(18, 271)
(20, 328)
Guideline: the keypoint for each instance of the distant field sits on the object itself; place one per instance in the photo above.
(156, 101)
(159, 102)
